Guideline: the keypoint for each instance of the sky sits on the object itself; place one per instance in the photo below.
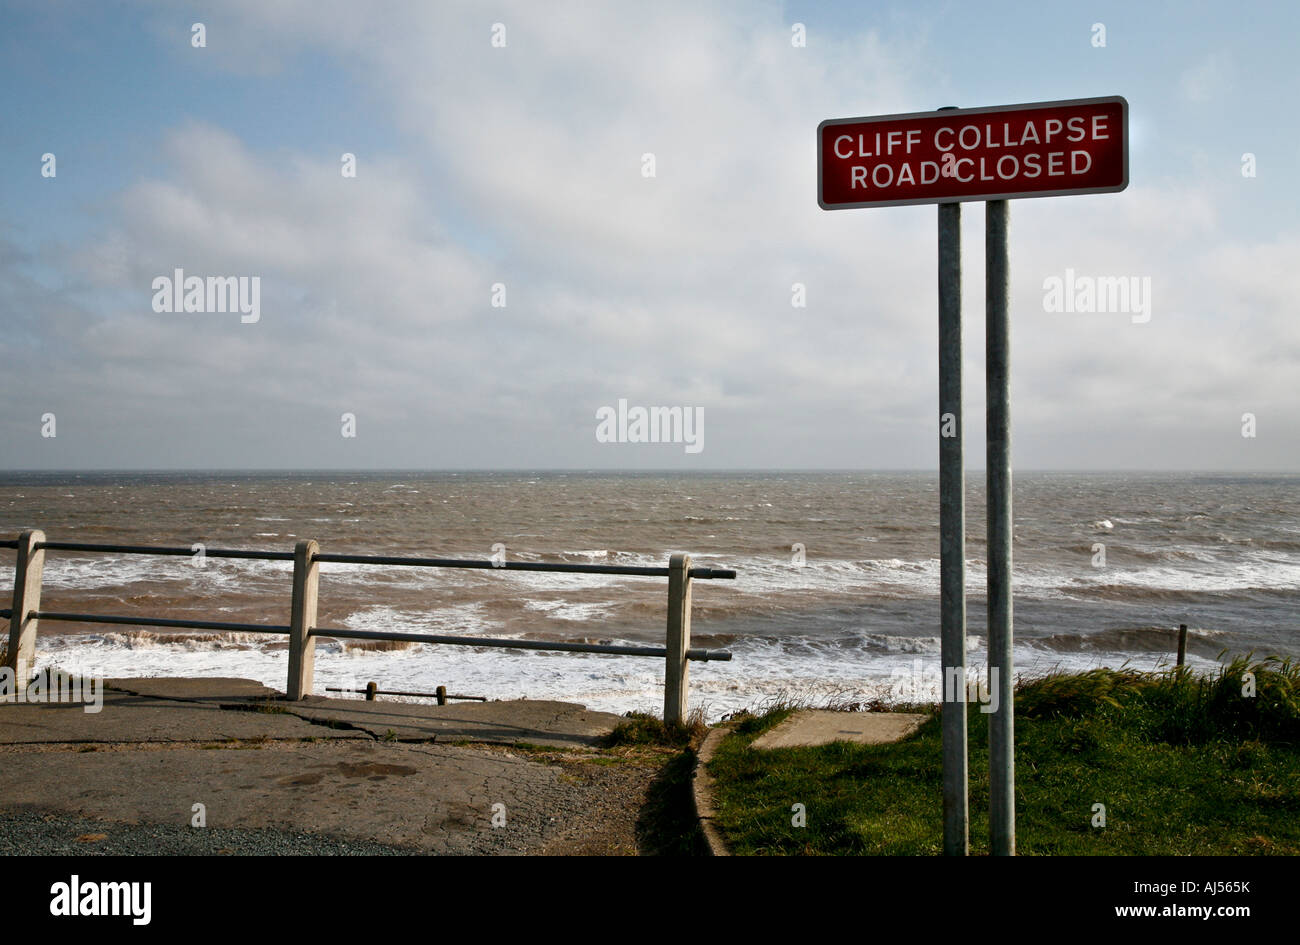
(501, 267)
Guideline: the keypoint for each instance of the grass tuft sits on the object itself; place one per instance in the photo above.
(1245, 699)
(270, 708)
(641, 728)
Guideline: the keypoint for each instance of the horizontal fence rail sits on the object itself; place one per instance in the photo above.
(612, 648)
(173, 551)
(442, 695)
(182, 623)
(698, 574)
(25, 614)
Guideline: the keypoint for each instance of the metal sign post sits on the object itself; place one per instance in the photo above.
(1044, 149)
(952, 538)
(997, 379)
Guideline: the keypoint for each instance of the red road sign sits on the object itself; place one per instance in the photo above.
(1044, 149)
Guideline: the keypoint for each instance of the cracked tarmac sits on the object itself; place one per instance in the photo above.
(420, 778)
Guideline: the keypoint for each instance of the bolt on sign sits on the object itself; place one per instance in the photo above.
(1047, 149)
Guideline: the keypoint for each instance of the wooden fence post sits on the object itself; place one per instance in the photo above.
(302, 618)
(679, 639)
(28, 568)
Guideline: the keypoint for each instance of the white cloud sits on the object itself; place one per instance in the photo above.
(675, 290)
(1209, 80)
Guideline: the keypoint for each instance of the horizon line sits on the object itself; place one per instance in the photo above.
(344, 470)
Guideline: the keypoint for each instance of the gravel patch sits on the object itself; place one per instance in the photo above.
(40, 833)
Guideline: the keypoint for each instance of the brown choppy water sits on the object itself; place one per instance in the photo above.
(1221, 553)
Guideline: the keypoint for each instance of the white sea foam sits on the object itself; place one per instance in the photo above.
(760, 670)
(1201, 569)
(465, 619)
(570, 610)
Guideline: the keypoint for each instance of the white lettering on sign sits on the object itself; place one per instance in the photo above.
(892, 141)
(972, 138)
(925, 157)
(1008, 167)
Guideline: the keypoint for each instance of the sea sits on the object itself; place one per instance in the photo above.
(836, 598)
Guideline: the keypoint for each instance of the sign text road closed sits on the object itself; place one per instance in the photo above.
(1044, 149)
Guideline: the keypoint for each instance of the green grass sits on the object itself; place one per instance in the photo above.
(643, 729)
(1183, 764)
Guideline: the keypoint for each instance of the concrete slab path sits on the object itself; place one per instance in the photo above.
(821, 726)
